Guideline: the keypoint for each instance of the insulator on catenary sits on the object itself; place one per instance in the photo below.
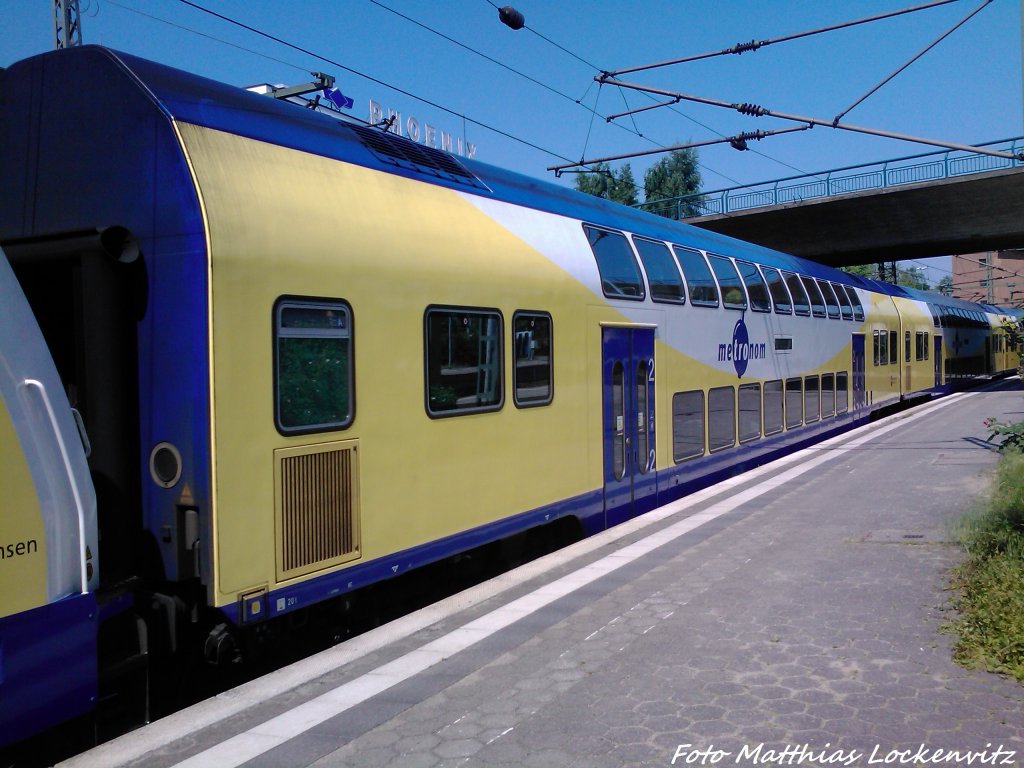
(510, 17)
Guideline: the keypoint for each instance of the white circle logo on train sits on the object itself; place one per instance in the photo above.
(741, 351)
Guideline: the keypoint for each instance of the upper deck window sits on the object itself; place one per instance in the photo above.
(844, 301)
(757, 289)
(801, 304)
(777, 287)
(662, 273)
(703, 291)
(831, 303)
(620, 275)
(858, 309)
(733, 296)
(817, 300)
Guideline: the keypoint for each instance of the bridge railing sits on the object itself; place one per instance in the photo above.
(911, 169)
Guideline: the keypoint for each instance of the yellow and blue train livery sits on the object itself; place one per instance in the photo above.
(310, 355)
(49, 569)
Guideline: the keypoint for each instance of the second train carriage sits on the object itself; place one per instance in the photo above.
(311, 355)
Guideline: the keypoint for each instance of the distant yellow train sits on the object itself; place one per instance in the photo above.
(308, 355)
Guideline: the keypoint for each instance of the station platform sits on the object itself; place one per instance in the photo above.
(790, 616)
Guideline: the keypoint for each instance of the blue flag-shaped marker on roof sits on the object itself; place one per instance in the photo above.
(337, 98)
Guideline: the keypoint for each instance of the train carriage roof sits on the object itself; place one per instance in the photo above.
(198, 100)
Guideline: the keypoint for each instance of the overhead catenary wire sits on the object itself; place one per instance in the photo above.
(351, 70)
(754, 45)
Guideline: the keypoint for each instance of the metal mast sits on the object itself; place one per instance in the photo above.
(67, 29)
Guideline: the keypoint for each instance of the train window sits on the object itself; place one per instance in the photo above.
(749, 406)
(687, 425)
(794, 403)
(831, 303)
(777, 288)
(927, 346)
(801, 304)
(935, 314)
(703, 291)
(733, 296)
(828, 395)
(721, 418)
(882, 343)
(845, 307)
(619, 411)
(918, 343)
(812, 397)
(620, 275)
(817, 300)
(757, 289)
(858, 309)
(662, 273)
(313, 361)
(842, 392)
(773, 406)
(463, 360)
(532, 371)
(642, 427)
(893, 346)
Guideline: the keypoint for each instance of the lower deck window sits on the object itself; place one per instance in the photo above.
(721, 418)
(687, 425)
(842, 392)
(463, 361)
(749, 403)
(773, 410)
(313, 365)
(828, 395)
(811, 399)
(794, 403)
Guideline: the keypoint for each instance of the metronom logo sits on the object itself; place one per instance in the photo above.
(740, 351)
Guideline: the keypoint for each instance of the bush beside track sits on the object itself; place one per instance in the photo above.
(990, 583)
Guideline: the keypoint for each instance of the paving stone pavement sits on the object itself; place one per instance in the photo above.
(811, 621)
(802, 628)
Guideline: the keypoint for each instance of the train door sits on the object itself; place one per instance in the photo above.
(858, 370)
(630, 486)
(937, 359)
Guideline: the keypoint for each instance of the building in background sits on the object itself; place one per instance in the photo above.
(995, 277)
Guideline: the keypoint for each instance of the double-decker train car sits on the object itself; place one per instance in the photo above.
(307, 355)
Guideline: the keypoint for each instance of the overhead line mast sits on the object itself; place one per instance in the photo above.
(67, 27)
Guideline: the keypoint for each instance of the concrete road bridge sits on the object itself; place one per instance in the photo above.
(912, 207)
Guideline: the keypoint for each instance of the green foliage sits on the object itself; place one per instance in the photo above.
(1009, 435)
(945, 285)
(991, 582)
(864, 270)
(912, 278)
(675, 175)
(313, 386)
(617, 186)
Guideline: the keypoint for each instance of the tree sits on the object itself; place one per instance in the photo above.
(864, 270)
(945, 285)
(675, 175)
(603, 182)
(911, 278)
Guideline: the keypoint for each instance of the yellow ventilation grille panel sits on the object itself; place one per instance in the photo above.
(316, 507)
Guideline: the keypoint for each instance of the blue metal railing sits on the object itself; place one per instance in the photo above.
(911, 169)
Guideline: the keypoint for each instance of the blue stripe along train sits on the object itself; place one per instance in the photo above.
(255, 358)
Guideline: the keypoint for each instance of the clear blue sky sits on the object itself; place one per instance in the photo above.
(967, 90)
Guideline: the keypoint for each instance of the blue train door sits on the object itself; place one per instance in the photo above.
(858, 370)
(937, 358)
(630, 485)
